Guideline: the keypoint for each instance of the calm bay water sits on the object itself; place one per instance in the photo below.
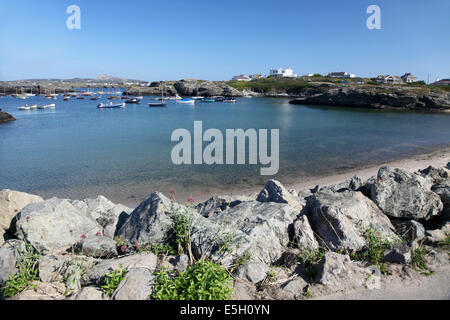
(80, 151)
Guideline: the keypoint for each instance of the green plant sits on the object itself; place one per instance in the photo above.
(240, 261)
(204, 280)
(306, 293)
(445, 242)
(159, 249)
(373, 252)
(418, 259)
(309, 257)
(28, 272)
(271, 275)
(113, 279)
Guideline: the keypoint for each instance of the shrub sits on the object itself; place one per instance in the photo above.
(204, 280)
(113, 279)
(28, 271)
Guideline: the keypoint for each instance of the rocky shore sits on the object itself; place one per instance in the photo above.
(186, 87)
(6, 117)
(275, 244)
(374, 97)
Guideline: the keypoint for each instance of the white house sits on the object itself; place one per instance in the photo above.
(241, 78)
(409, 78)
(388, 79)
(286, 73)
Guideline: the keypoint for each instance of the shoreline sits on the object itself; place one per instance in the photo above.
(131, 195)
(438, 157)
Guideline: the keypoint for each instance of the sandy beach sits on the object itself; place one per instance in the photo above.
(437, 158)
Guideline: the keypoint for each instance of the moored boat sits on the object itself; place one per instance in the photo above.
(27, 107)
(229, 100)
(208, 100)
(111, 105)
(134, 100)
(162, 103)
(187, 101)
(47, 106)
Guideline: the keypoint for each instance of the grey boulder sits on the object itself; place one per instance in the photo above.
(55, 224)
(295, 286)
(90, 293)
(401, 194)
(340, 219)
(151, 221)
(8, 259)
(252, 271)
(442, 189)
(304, 235)
(141, 260)
(98, 247)
(261, 229)
(410, 229)
(352, 184)
(109, 215)
(219, 204)
(11, 203)
(2, 236)
(400, 253)
(274, 191)
(337, 270)
(137, 285)
(436, 175)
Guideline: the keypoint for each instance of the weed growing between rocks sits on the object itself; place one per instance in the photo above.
(28, 272)
(204, 280)
(373, 253)
(113, 280)
(309, 257)
(419, 261)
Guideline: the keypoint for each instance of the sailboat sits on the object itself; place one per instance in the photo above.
(162, 102)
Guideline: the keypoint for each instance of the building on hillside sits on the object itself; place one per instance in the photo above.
(409, 78)
(341, 75)
(388, 79)
(256, 76)
(284, 73)
(441, 82)
(241, 78)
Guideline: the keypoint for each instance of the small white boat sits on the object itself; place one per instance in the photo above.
(111, 105)
(177, 97)
(33, 107)
(25, 107)
(187, 101)
(20, 96)
(46, 106)
(197, 98)
(139, 98)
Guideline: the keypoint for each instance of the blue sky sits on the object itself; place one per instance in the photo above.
(210, 39)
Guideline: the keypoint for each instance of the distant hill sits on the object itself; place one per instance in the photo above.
(104, 78)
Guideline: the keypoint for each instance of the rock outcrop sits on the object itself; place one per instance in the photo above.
(341, 219)
(337, 270)
(5, 117)
(186, 87)
(401, 194)
(191, 87)
(376, 97)
(11, 203)
(55, 224)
